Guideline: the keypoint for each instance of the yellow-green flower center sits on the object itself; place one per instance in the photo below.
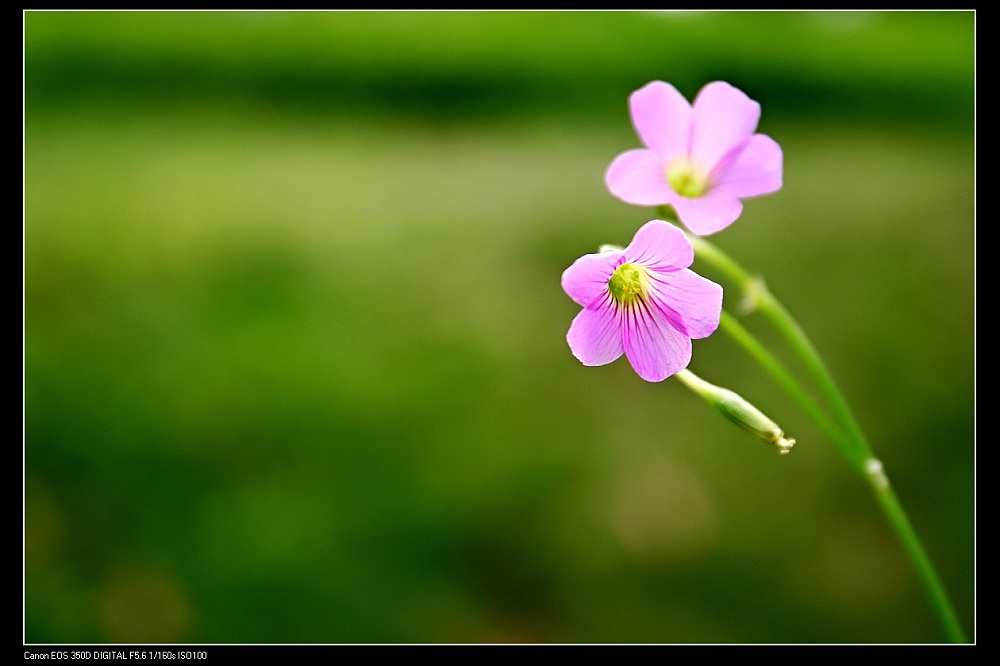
(627, 283)
(686, 179)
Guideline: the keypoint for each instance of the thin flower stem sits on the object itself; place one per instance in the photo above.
(783, 321)
(750, 344)
(855, 447)
(925, 568)
(853, 442)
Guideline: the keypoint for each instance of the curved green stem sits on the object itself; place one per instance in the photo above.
(855, 447)
(848, 437)
(925, 568)
(735, 330)
(783, 321)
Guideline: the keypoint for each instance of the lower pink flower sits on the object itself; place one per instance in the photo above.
(643, 302)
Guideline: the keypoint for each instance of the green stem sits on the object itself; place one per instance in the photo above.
(855, 446)
(925, 568)
(783, 321)
(750, 344)
(852, 442)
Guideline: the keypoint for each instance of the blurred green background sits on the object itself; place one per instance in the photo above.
(295, 367)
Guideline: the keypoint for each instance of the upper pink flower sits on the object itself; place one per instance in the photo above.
(700, 159)
(643, 302)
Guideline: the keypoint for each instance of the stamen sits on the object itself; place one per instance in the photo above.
(686, 179)
(627, 283)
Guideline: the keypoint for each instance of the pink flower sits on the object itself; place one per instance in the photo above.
(700, 159)
(643, 302)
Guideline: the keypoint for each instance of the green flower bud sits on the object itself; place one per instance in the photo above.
(735, 408)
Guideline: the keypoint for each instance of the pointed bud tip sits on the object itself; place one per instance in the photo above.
(784, 445)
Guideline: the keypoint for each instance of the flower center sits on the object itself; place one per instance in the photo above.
(686, 179)
(627, 284)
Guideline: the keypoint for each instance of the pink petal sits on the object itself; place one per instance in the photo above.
(754, 170)
(708, 214)
(662, 119)
(723, 118)
(691, 303)
(660, 245)
(654, 348)
(595, 336)
(586, 280)
(637, 177)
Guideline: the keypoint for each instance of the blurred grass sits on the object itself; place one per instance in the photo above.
(294, 356)
(459, 65)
